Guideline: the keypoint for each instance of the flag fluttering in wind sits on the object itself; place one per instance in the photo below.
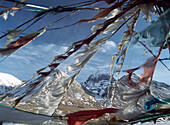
(148, 67)
(48, 88)
(158, 32)
(10, 47)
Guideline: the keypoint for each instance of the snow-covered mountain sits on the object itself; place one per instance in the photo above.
(97, 84)
(7, 82)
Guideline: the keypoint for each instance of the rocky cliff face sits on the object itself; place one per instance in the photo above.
(97, 85)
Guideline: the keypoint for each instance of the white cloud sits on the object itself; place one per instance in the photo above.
(36, 52)
(106, 66)
(109, 45)
(24, 59)
(64, 48)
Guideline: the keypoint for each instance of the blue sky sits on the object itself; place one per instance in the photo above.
(41, 51)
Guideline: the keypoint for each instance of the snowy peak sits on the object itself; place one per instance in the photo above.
(7, 82)
(97, 84)
(98, 77)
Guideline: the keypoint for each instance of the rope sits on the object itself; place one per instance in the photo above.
(146, 118)
(46, 7)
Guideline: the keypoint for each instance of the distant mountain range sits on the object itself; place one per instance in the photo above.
(95, 86)
(91, 94)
